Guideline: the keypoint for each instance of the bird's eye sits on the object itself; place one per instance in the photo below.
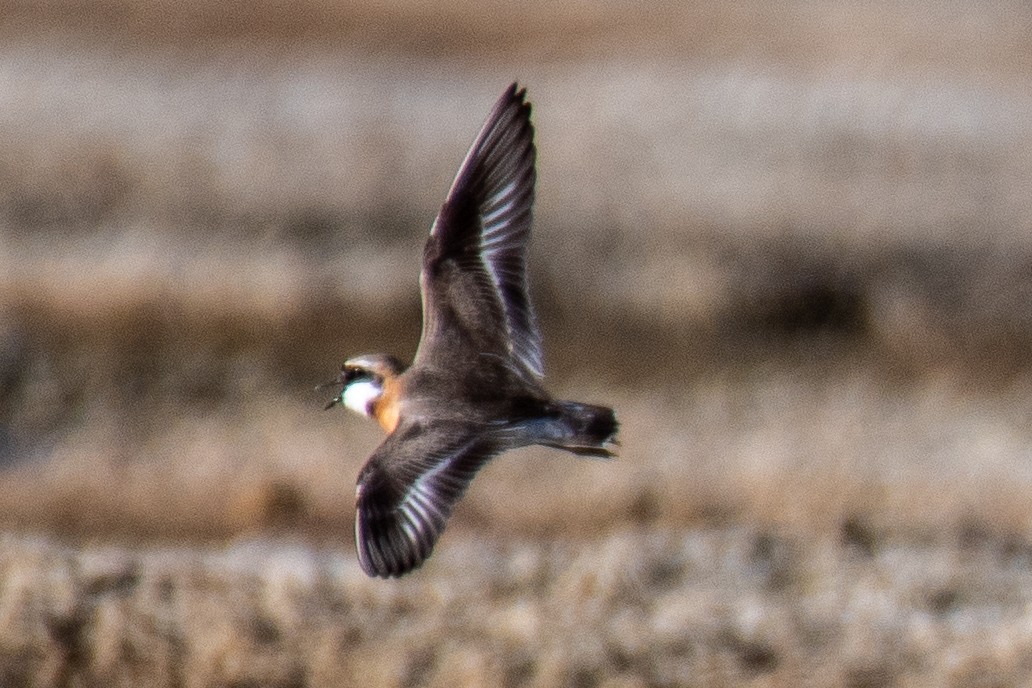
(353, 374)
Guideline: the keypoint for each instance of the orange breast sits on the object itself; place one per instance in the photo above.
(387, 408)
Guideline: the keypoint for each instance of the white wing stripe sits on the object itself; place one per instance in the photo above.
(489, 218)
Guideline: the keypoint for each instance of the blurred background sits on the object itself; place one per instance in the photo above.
(790, 242)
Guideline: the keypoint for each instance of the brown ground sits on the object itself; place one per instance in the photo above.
(790, 243)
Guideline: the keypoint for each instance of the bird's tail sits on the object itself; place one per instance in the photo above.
(584, 429)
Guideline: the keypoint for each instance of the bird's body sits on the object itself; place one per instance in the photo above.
(474, 388)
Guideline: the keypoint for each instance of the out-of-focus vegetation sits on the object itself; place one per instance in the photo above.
(789, 242)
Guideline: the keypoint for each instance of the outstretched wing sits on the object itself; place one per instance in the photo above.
(474, 280)
(407, 490)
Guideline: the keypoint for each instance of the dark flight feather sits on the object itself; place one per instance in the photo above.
(474, 284)
(407, 491)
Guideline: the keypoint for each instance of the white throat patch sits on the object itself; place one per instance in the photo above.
(358, 395)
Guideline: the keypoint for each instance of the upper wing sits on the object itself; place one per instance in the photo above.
(474, 280)
(407, 490)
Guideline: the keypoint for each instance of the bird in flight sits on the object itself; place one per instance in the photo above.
(474, 388)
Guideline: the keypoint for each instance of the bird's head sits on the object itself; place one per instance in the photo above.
(362, 380)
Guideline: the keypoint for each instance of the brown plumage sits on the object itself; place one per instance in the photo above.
(387, 409)
(474, 388)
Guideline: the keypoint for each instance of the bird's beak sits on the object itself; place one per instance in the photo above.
(339, 380)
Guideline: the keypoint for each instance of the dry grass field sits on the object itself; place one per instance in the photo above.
(790, 242)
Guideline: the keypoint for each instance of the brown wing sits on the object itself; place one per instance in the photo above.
(407, 490)
(474, 281)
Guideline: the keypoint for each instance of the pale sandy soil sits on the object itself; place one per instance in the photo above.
(709, 606)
